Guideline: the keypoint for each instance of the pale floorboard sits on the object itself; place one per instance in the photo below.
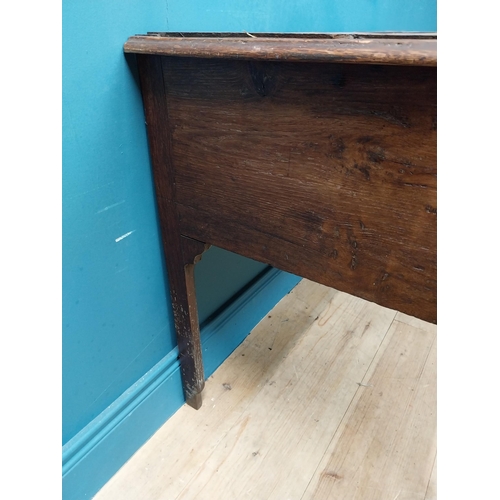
(330, 397)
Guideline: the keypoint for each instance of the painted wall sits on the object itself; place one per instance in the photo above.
(116, 318)
(117, 323)
(301, 15)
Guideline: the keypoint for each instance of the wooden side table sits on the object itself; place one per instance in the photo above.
(314, 153)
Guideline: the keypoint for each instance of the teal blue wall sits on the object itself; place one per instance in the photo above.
(301, 15)
(117, 323)
(116, 317)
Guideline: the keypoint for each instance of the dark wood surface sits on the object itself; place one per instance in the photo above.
(398, 49)
(181, 252)
(325, 169)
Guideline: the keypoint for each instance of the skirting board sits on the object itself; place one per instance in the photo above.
(96, 453)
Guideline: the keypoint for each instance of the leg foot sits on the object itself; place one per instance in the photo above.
(195, 401)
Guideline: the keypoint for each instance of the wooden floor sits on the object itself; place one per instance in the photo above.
(330, 397)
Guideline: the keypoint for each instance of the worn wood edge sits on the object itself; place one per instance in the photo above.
(195, 401)
(362, 50)
(192, 250)
(293, 35)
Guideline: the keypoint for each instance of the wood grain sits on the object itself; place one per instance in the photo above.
(296, 412)
(386, 446)
(431, 492)
(285, 425)
(181, 252)
(402, 49)
(327, 171)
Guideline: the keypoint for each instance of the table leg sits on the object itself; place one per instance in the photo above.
(182, 292)
(180, 253)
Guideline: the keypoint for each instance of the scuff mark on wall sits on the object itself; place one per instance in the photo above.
(124, 236)
(109, 206)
